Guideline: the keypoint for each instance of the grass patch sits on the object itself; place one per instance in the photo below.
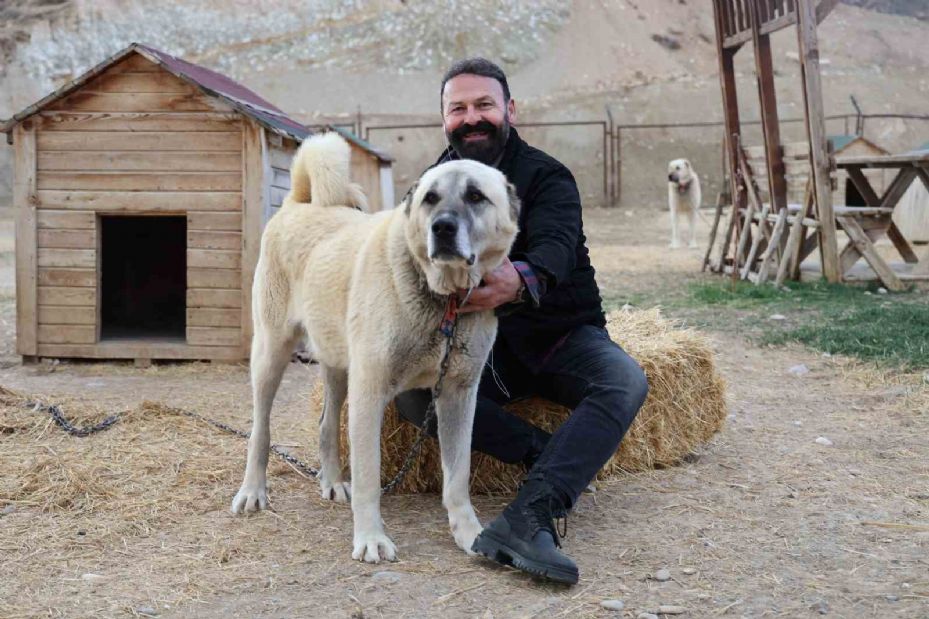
(845, 319)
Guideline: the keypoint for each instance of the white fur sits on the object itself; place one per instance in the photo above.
(363, 292)
(683, 199)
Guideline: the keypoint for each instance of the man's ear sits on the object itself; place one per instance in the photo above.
(408, 198)
(514, 202)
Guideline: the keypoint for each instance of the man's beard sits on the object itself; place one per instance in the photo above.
(486, 151)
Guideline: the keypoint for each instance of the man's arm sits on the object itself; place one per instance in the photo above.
(551, 227)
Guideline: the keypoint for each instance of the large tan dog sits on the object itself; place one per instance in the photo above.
(684, 197)
(368, 292)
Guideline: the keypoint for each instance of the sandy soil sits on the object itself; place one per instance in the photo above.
(763, 521)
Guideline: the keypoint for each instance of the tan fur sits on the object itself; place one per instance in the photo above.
(368, 298)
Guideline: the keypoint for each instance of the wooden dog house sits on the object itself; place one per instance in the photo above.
(141, 189)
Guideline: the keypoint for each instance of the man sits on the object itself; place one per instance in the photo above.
(551, 340)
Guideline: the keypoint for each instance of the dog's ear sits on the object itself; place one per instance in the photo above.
(513, 199)
(408, 198)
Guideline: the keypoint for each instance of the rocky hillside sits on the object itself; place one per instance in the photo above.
(323, 60)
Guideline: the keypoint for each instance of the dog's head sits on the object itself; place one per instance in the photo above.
(462, 218)
(680, 172)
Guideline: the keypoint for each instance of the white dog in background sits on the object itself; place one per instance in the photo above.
(683, 198)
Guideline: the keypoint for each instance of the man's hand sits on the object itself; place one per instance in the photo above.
(500, 286)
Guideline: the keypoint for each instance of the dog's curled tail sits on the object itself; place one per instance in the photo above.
(319, 173)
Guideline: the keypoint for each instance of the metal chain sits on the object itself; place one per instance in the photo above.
(430, 411)
(62, 422)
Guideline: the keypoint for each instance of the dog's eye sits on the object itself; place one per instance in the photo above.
(431, 198)
(473, 195)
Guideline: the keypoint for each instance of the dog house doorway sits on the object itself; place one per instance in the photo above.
(144, 278)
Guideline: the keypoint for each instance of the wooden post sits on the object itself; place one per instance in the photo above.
(253, 143)
(25, 202)
(816, 133)
(764, 70)
(731, 116)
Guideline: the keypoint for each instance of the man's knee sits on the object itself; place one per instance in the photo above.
(624, 393)
(412, 405)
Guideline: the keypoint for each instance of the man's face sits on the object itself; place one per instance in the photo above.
(476, 117)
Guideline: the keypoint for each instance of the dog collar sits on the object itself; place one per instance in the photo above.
(450, 316)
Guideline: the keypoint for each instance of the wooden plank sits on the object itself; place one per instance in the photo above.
(135, 63)
(281, 158)
(139, 121)
(280, 178)
(898, 186)
(24, 205)
(768, 256)
(64, 315)
(214, 278)
(730, 102)
(214, 221)
(123, 181)
(884, 161)
(162, 82)
(49, 295)
(850, 254)
(67, 239)
(211, 317)
(816, 134)
(213, 259)
(140, 201)
(254, 152)
(198, 239)
(67, 334)
(205, 297)
(767, 95)
(214, 336)
(277, 196)
(864, 246)
(74, 220)
(151, 161)
(717, 214)
(756, 242)
(70, 258)
(139, 141)
(88, 101)
(140, 349)
(81, 278)
(789, 259)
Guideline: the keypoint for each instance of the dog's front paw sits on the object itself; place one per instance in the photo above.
(465, 530)
(372, 547)
(250, 499)
(338, 491)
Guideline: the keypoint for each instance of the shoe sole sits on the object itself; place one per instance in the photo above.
(497, 550)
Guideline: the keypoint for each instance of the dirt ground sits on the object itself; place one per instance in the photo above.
(763, 521)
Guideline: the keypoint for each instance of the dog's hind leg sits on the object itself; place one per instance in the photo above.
(270, 355)
(456, 416)
(331, 485)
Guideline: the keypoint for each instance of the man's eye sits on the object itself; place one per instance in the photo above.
(486, 104)
(431, 198)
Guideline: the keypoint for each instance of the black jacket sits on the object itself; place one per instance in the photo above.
(551, 239)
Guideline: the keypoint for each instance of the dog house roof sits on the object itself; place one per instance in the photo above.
(210, 82)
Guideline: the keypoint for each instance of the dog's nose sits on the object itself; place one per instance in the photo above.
(671, 177)
(445, 227)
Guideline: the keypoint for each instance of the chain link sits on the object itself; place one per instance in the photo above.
(62, 422)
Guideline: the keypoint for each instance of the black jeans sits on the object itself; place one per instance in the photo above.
(587, 373)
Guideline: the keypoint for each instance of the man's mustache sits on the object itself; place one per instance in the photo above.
(482, 126)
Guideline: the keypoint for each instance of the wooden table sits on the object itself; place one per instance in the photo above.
(863, 231)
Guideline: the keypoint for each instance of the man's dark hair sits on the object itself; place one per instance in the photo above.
(477, 66)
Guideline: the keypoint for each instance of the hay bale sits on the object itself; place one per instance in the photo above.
(685, 407)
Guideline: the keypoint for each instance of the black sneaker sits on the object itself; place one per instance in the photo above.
(524, 535)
